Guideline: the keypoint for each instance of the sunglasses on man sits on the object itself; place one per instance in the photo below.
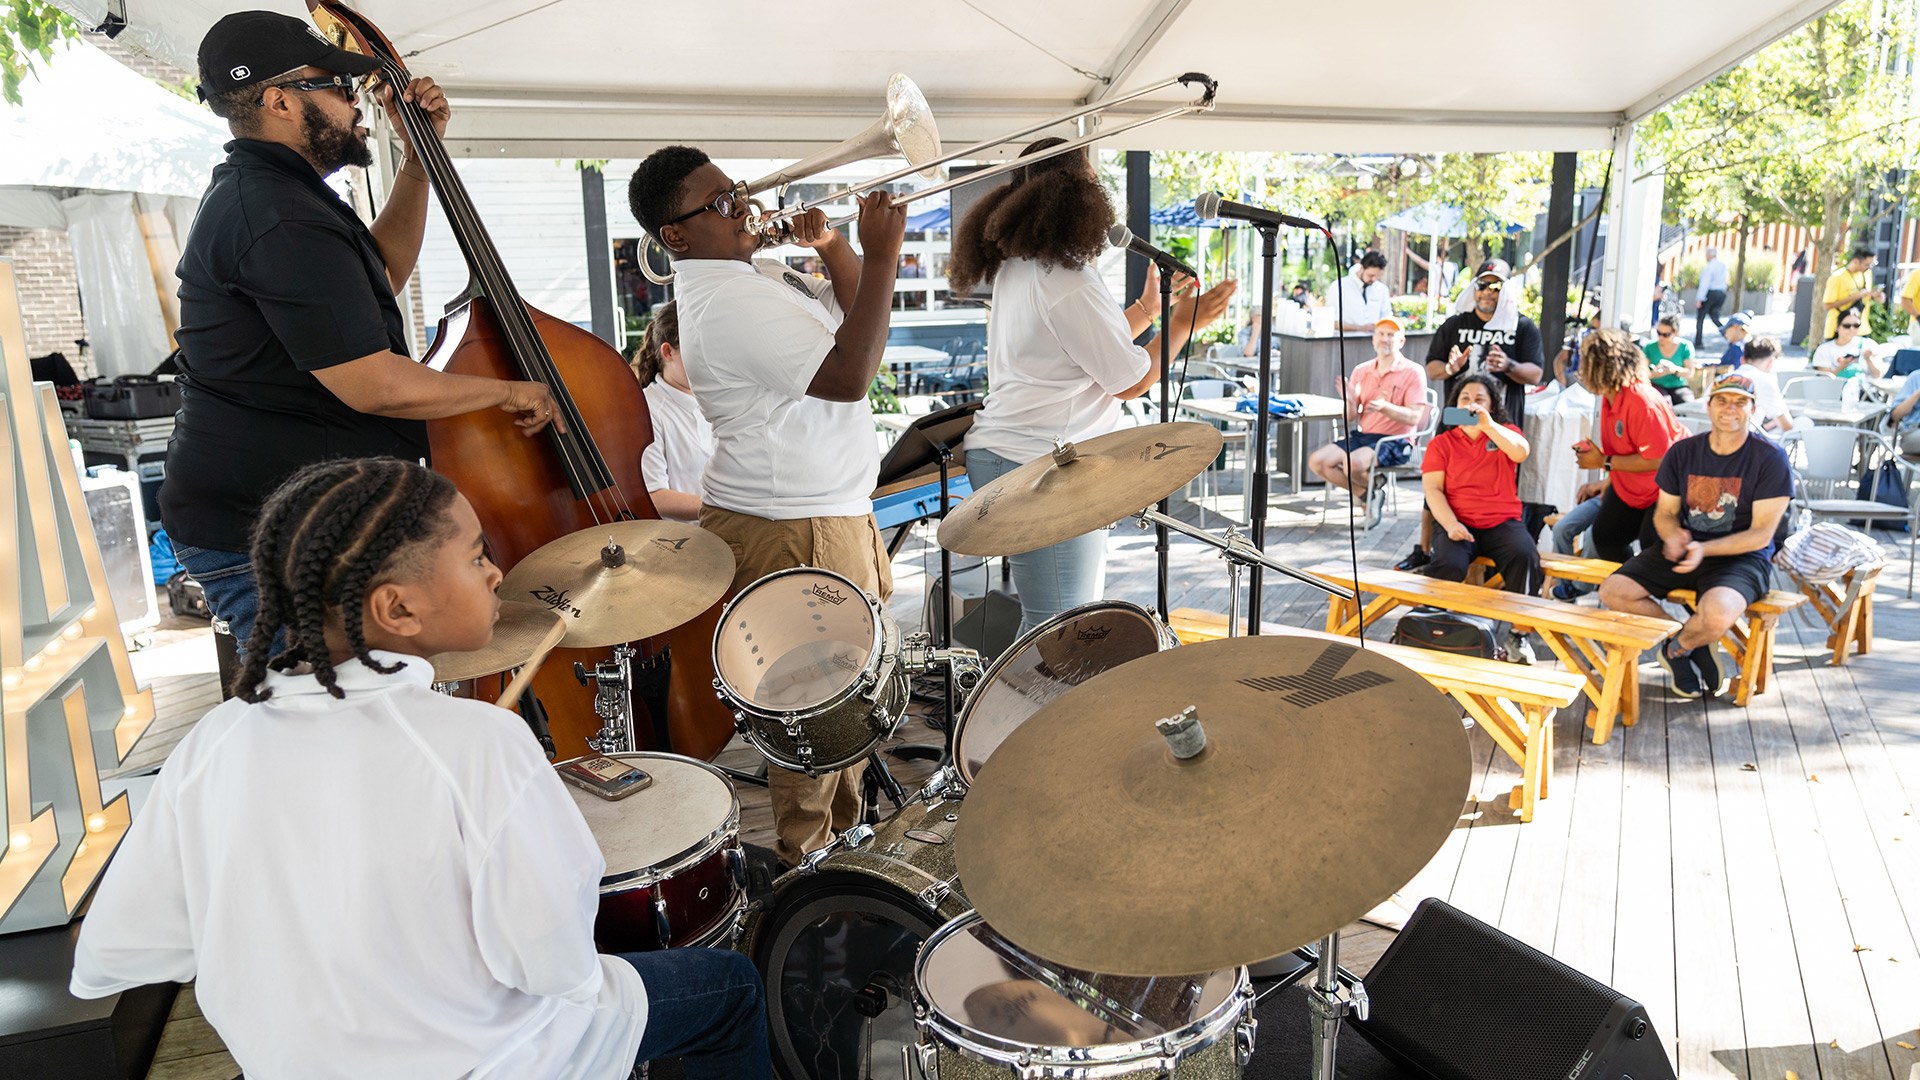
(350, 85)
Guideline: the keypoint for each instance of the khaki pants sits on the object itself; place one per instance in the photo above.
(807, 811)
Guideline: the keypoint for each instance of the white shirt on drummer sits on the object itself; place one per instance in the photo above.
(1057, 352)
(752, 337)
(393, 884)
(682, 440)
(1364, 304)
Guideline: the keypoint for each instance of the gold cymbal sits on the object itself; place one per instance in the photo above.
(1101, 481)
(524, 633)
(1329, 777)
(656, 575)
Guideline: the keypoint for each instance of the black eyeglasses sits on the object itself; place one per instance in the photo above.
(723, 204)
(350, 85)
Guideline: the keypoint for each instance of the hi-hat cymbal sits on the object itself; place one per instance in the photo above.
(525, 633)
(1105, 479)
(655, 575)
(1330, 776)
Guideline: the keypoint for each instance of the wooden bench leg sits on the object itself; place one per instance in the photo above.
(1533, 771)
(1757, 664)
(1616, 695)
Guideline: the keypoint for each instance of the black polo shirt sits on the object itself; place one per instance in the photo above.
(279, 278)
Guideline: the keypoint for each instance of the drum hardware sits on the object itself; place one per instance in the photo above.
(1239, 553)
(612, 682)
(1332, 999)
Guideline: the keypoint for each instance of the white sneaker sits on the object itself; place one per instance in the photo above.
(1376, 500)
(1519, 649)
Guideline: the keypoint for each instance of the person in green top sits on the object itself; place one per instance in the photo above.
(1669, 357)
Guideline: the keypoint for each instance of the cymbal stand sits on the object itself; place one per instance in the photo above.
(612, 700)
(1238, 552)
(1334, 996)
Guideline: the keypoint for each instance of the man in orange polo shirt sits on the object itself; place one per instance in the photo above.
(1387, 393)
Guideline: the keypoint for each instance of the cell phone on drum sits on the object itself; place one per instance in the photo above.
(1455, 416)
(606, 777)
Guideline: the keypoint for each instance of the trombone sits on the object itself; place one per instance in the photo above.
(907, 129)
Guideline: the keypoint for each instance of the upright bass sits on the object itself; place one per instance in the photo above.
(528, 491)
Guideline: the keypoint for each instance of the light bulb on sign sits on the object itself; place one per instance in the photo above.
(11, 679)
(71, 633)
(35, 662)
(21, 840)
(96, 822)
(53, 647)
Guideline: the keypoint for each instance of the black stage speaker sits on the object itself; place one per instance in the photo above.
(989, 619)
(1454, 999)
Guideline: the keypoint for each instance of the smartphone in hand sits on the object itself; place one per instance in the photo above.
(1454, 416)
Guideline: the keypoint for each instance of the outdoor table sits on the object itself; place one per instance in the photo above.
(1225, 410)
(909, 358)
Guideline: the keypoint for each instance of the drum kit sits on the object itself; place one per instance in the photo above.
(1120, 833)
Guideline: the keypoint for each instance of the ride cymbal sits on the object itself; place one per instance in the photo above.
(1079, 488)
(624, 581)
(1330, 776)
(525, 633)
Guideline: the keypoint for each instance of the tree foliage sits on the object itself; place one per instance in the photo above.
(29, 30)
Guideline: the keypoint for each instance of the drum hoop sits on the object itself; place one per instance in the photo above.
(691, 856)
(1118, 1059)
(1165, 635)
(868, 677)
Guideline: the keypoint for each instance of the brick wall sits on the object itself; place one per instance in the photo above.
(49, 289)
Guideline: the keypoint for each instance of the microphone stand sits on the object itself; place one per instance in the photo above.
(1160, 546)
(1257, 513)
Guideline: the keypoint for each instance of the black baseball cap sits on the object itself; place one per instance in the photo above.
(248, 46)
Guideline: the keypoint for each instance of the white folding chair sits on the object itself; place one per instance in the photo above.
(1827, 469)
(1812, 388)
(1214, 388)
(1416, 441)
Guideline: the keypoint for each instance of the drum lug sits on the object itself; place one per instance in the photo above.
(920, 1061)
(739, 721)
(856, 835)
(932, 895)
(661, 925)
(737, 866)
(1243, 1038)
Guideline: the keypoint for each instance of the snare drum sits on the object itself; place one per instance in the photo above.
(811, 665)
(991, 1010)
(836, 941)
(675, 872)
(1047, 661)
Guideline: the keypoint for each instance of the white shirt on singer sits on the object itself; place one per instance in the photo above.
(393, 884)
(752, 337)
(1058, 351)
(682, 440)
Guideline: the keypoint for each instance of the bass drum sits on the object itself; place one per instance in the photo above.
(1048, 661)
(836, 942)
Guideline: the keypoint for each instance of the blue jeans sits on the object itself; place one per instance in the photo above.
(1052, 579)
(227, 578)
(705, 1007)
(1568, 529)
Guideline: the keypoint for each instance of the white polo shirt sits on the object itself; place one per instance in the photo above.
(393, 884)
(1364, 304)
(682, 440)
(752, 336)
(1057, 351)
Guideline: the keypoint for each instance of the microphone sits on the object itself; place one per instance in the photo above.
(1211, 205)
(1122, 237)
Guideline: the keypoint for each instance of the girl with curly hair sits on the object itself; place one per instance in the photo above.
(1636, 427)
(1060, 355)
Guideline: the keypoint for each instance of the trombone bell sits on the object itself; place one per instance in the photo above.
(906, 129)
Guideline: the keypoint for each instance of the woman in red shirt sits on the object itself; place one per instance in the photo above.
(1469, 474)
(1636, 427)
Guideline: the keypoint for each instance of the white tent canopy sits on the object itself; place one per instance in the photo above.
(753, 78)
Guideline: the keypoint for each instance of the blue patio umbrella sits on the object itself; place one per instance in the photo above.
(937, 219)
(1182, 216)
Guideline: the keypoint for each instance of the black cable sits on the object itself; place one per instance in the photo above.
(1346, 444)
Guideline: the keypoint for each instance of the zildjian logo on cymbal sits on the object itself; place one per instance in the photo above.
(557, 599)
(1164, 450)
(986, 504)
(672, 545)
(829, 595)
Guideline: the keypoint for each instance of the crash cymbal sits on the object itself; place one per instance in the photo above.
(1330, 776)
(626, 580)
(1078, 489)
(524, 633)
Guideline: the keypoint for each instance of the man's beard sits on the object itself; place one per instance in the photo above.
(331, 148)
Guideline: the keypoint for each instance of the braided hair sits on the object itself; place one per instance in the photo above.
(663, 330)
(1053, 211)
(324, 540)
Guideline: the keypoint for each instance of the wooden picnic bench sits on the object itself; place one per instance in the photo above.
(1513, 704)
(1603, 647)
(1749, 640)
(1846, 606)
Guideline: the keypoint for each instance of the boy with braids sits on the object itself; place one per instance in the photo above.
(367, 878)
(780, 365)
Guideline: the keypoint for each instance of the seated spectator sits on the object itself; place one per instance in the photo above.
(1470, 477)
(1387, 394)
(1850, 353)
(1566, 363)
(1301, 294)
(1636, 427)
(1248, 338)
(1722, 494)
(1668, 358)
(1735, 332)
(1906, 417)
(1769, 406)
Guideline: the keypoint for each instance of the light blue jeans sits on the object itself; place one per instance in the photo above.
(1568, 529)
(1052, 579)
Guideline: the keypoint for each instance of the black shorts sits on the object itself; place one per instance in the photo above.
(1748, 574)
(1359, 440)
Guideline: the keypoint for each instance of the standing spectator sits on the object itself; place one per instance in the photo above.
(1636, 427)
(1449, 270)
(1736, 334)
(1387, 393)
(1849, 354)
(1470, 478)
(1910, 302)
(1721, 495)
(1668, 359)
(1357, 305)
(1769, 405)
(1490, 337)
(1799, 267)
(1850, 289)
(1713, 293)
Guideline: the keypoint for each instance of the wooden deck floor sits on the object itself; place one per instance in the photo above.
(1751, 875)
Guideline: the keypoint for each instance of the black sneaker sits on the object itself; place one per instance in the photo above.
(1713, 675)
(1686, 681)
(1415, 559)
